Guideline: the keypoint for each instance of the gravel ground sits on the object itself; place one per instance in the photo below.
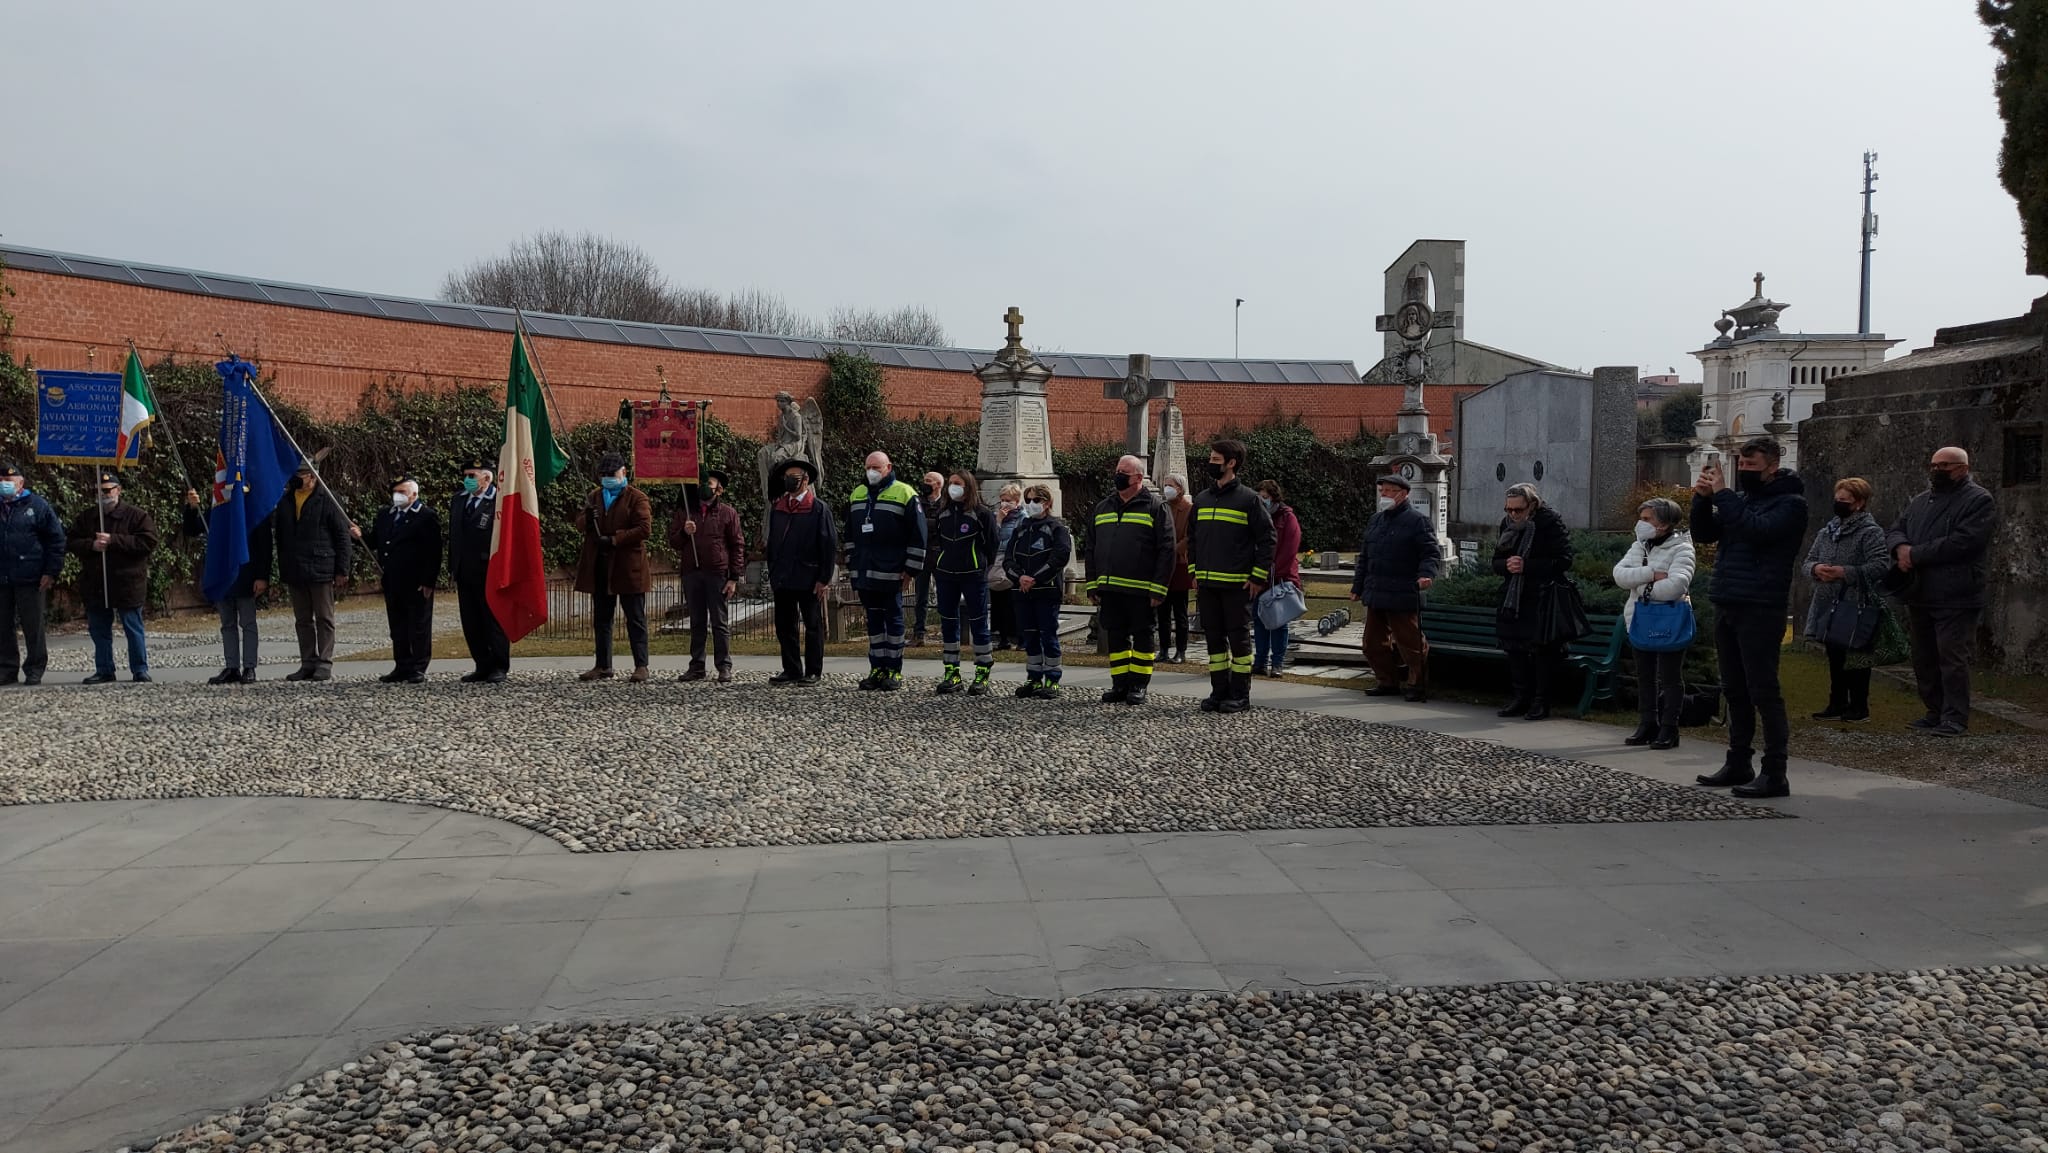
(614, 766)
(1950, 1060)
(2011, 766)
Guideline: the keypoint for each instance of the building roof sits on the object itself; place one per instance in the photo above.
(674, 336)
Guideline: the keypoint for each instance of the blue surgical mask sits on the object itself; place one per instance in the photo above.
(7, 490)
(613, 483)
(1266, 502)
(471, 484)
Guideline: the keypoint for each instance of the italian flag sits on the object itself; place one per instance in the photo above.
(516, 582)
(138, 410)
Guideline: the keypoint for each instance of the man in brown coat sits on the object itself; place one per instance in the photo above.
(616, 520)
(114, 542)
(711, 555)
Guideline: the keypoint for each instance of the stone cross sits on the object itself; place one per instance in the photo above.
(1759, 286)
(1015, 320)
(1137, 390)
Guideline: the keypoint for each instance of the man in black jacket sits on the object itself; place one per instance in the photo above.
(1759, 525)
(313, 553)
(1130, 559)
(1397, 561)
(471, 517)
(1939, 542)
(802, 544)
(407, 538)
(1230, 545)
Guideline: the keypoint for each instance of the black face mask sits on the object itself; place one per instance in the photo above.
(792, 483)
(1844, 510)
(1124, 480)
(1215, 470)
(1942, 481)
(1751, 480)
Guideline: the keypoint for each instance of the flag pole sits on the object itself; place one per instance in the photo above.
(170, 438)
(106, 581)
(318, 480)
(533, 358)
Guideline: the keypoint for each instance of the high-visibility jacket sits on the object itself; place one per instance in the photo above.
(1130, 545)
(885, 534)
(1230, 537)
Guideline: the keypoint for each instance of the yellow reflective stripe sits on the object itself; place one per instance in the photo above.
(1128, 583)
(1120, 656)
(1221, 577)
(1259, 574)
(1241, 664)
(1229, 515)
(1144, 518)
(1105, 518)
(1218, 662)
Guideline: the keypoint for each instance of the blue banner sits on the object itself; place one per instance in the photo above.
(78, 417)
(254, 462)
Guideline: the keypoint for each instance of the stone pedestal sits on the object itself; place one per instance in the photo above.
(1413, 453)
(1016, 434)
(1170, 449)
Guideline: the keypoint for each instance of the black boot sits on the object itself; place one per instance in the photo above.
(1219, 690)
(1770, 784)
(1856, 698)
(1240, 694)
(1137, 689)
(1837, 699)
(1645, 730)
(1667, 737)
(1116, 693)
(1735, 770)
(1518, 680)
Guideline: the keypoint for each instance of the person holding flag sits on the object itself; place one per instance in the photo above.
(238, 638)
(472, 521)
(516, 583)
(252, 465)
(114, 543)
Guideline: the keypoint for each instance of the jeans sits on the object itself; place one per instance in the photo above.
(100, 623)
(238, 633)
(1747, 639)
(885, 627)
(603, 607)
(1264, 641)
(1660, 687)
(705, 592)
(22, 606)
(1943, 642)
(1038, 620)
(794, 606)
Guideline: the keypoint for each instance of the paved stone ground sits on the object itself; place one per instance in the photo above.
(162, 960)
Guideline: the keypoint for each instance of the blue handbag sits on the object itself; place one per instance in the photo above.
(1661, 626)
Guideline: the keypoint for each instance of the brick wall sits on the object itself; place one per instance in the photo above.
(325, 361)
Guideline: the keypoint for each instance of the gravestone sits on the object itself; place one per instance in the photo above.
(1413, 451)
(1016, 434)
(1169, 452)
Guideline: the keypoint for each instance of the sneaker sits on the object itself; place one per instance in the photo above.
(890, 682)
(809, 680)
(874, 680)
(1029, 688)
(1047, 691)
(950, 683)
(981, 684)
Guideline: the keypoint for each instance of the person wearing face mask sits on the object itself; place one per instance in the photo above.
(1269, 646)
(114, 543)
(1846, 560)
(711, 556)
(1939, 543)
(472, 516)
(1534, 550)
(616, 520)
(930, 496)
(31, 558)
(1002, 604)
(884, 539)
(406, 539)
(1230, 543)
(1173, 614)
(313, 556)
(1129, 560)
(1398, 560)
(802, 546)
(1657, 567)
(1758, 525)
(1038, 555)
(962, 545)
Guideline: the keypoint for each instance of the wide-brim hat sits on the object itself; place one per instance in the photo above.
(1395, 479)
(717, 474)
(810, 470)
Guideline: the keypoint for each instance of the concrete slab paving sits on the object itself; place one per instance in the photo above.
(163, 959)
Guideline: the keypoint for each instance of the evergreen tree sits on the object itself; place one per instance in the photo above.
(2019, 30)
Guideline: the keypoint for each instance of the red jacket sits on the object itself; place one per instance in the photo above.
(1286, 544)
(719, 546)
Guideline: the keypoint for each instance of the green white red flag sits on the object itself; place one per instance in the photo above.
(138, 411)
(516, 580)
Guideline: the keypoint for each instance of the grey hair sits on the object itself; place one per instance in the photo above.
(1179, 482)
(1526, 492)
(1663, 510)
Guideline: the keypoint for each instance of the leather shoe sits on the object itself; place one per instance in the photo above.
(320, 675)
(1211, 705)
(98, 679)
(223, 677)
(1135, 696)
(1114, 696)
(725, 676)
(1416, 696)
(473, 678)
(494, 677)
(1644, 733)
(1537, 712)
(810, 679)
(785, 678)
(1515, 708)
(1384, 691)
(32, 679)
(140, 678)
(414, 678)
(392, 677)
(1734, 771)
(1667, 738)
(695, 673)
(596, 674)
(639, 676)
(300, 675)
(1233, 705)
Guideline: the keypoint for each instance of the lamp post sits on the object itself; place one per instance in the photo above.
(1234, 312)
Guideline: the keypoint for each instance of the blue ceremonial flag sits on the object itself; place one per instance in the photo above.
(251, 468)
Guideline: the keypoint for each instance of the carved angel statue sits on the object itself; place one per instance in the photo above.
(799, 433)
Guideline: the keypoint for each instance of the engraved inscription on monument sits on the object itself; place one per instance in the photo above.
(1034, 440)
(999, 434)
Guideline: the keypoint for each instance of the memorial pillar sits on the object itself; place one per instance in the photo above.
(1016, 431)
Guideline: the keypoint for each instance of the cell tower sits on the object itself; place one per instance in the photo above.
(1869, 230)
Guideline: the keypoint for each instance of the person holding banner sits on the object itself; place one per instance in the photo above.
(114, 543)
(711, 556)
(616, 520)
(471, 520)
(238, 607)
(313, 554)
(31, 556)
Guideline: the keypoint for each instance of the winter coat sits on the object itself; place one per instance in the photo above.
(1857, 544)
(1399, 548)
(1286, 544)
(131, 540)
(1548, 561)
(312, 542)
(963, 541)
(628, 522)
(256, 568)
(1041, 549)
(720, 545)
(1183, 511)
(884, 535)
(1759, 538)
(407, 547)
(1950, 533)
(1230, 537)
(1637, 572)
(803, 544)
(470, 523)
(31, 541)
(1130, 545)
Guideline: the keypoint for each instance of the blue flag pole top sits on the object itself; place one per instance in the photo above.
(255, 461)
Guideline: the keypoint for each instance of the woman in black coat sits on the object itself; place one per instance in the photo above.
(1534, 551)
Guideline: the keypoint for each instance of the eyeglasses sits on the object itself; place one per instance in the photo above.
(1514, 510)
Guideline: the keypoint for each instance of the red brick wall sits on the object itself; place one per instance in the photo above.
(325, 361)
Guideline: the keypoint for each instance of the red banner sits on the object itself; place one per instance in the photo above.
(665, 441)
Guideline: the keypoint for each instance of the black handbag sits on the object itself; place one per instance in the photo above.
(1852, 622)
(1563, 618)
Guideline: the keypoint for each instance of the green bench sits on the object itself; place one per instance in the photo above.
(1468, 631)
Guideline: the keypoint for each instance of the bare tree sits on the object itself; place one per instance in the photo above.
(911, 324)
(580, 275)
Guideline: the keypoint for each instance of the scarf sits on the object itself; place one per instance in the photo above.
(1518, 537)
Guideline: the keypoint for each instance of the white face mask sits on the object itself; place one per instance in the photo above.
(1385, 503)
(956, 492)
(874, 476)
(1645, 530)
(1033, 509)
(1171, 492)
(400, 501)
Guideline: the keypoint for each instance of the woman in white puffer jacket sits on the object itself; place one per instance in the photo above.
(1658, 567)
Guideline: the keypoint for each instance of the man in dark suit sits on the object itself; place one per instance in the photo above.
(407, 540)
(470, 520)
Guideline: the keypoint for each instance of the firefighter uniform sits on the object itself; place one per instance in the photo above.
(1129, 561)
(885, 540)
(1230, 544)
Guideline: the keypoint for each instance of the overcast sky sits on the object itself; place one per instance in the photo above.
(1120, 171)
